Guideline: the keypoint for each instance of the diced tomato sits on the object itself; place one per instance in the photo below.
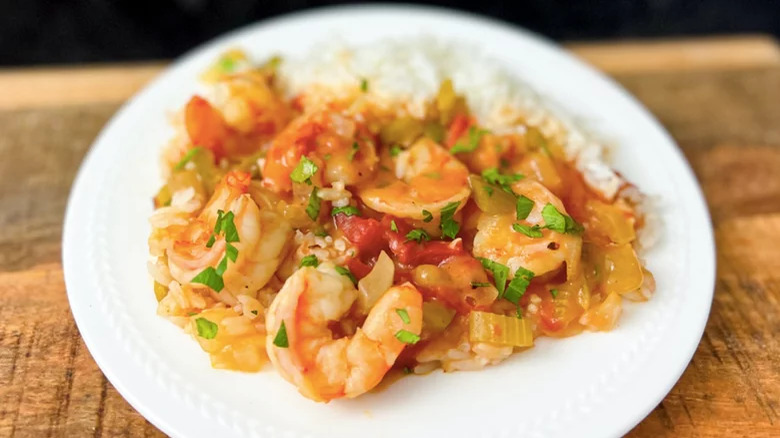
(460, 124)
(547, 316)
(359, 268)
(205, 126)
(365, 233)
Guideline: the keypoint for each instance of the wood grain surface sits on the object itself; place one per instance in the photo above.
(720, 102)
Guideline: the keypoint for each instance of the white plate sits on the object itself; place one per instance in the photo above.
(596, 384)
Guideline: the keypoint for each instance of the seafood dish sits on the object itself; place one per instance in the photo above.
(353, 213)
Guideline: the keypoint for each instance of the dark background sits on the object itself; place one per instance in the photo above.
(72, 31)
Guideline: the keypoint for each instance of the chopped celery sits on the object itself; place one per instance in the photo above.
(499, 329)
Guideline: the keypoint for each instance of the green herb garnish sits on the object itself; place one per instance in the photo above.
(310, 260)
(186, 158)
(364, 85)
(500, 273)
(393, 226)
(347, 273)
(280, 340)
(474, 137)
(206, 328)
(427, 216)
(209, 277)
(407, 337)
(349, 210)
(354, 151)
(534, 231)
(395, 150)
(303, 172)
(231, 252)
(314, 205)
(554, 293)
(559, 222)
(518, 285)
(449, 227)
(418, 235)
(404, 315)
(493, 176)
(476, 284)
(523, 207)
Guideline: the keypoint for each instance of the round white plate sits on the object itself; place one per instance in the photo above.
(596, 384)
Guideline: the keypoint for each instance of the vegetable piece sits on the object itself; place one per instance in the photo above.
(314, 205)
(353, 151)
(280, 340)
(376, 283)
(395, 150)
(349, 210)
(500, 273)
(417, 235)
(499, 329)
(163, 197)
(437, 316)
(624, 272)
(523, 207)
(554, 293)
(364, 85)
(427, 216)
(304, 170)
(393, 226)
(310, 260)
(160, 291)
(534, 231)
(434, 131)
(347, 273)
(404, 315)
(488, 199)
(609, 221)
(206, 329)
(407, 337)
(402, 130)
(449, 227)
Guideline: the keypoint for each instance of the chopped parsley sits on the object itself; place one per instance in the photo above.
(314, 205)
(393, 226)
(523, 207)
(211, 241)
(320, 232)
(432, 175)
(349, 210)
(488, 190)
(226, 225)
(303, 172)
(280, 340)
(554, 293)
(347, 273)
(449, 226)
(476, 284)
(518, 285)
(534, 231)
(209, 277)
(227, 64)
(395, 150)
(186, 158)
(206, 329)
(474, 137)
(427, 216)
(231, 252)
(493, 176)
(354, 151)
(407, 337)
(310, 260)
(500, 273)
(254, 312)
(418, 235)
(364, 85)
(519, 312)
(406, 370)
(404, 315)
(559, 222)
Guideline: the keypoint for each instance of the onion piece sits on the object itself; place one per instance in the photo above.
(377, 282)
(436, 316)
(499, 329)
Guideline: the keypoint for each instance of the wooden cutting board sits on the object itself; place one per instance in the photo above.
(719, 98)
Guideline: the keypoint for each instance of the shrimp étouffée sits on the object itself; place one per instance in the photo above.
(322, 367)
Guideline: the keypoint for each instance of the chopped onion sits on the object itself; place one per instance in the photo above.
(499, 329)
(377, 282)
(436, 316)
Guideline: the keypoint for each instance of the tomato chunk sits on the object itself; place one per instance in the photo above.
(460, 124)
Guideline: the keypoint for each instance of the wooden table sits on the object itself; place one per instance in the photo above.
(720, 99)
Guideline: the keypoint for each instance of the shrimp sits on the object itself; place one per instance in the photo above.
(250, 106)
(343, 148)
(263, 240)
(323, 367)
(497, 241)
(427, 177)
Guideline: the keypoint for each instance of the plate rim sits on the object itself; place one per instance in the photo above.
(69, 232)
